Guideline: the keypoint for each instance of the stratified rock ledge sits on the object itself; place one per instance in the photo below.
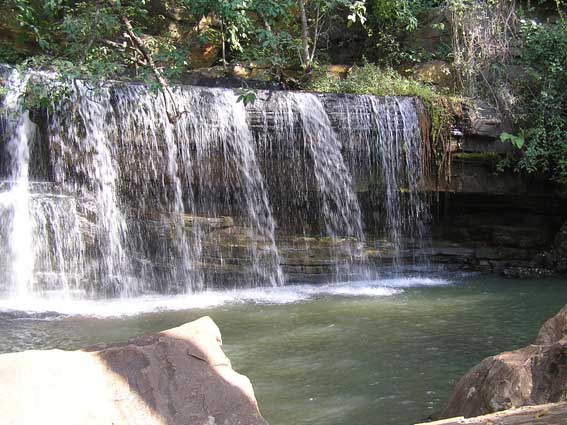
(178, 376)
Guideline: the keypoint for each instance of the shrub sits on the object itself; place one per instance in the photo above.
(542, 87)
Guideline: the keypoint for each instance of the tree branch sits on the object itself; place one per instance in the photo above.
(173, 114)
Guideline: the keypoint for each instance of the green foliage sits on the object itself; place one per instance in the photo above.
(357, 13)
(544, 59)
(517, 141)
(370, 79)
(483, 39)
(396, 13)
(247, 97)
(251, 29)
(547, 151)
(542, 109)
(10, 55)
(44, 94)
(390, 23)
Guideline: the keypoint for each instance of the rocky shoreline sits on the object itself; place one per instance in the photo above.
(525, 386)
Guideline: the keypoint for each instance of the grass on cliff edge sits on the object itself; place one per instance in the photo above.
(370, 79)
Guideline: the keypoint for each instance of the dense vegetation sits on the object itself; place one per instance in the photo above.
(511, 54)
(541, 115)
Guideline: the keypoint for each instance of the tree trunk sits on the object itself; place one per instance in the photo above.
(305, 57)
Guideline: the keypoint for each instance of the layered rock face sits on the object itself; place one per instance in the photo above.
(533, 375)
(179, 376)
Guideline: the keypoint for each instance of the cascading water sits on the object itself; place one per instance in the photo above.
(384, 139)
(337, 146)
(147, 176)
(300, 130)
(82, 129)
(226, 176)
(341, 211)
(58, 264)
(119, 201)
(15, 221)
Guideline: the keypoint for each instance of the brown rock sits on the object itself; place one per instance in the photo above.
(436, 72)
(533, 375)
(483, 120)
(252, 72)
(554, 329)
(546, 414)
(340, 71)
(431, 33)
(203, 55)
(179, 376)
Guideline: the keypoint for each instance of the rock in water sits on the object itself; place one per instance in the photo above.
(533, 375)
(178, 376)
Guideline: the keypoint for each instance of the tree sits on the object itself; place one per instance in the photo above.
(102, 39)
(320, 13)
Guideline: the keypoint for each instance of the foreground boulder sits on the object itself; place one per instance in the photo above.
(533, 375)
(544, 414)
(179, 376)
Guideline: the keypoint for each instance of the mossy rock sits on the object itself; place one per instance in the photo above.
(436, 72)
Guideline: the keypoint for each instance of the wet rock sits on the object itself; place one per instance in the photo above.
(178, 376)
(208, 223)
(561, 249)
(543, 259)
(527, 272)
(529, 376)
(483, 120)
(520, 236)
(501, 253)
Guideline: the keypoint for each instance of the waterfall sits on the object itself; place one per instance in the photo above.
(104, 196)
(15, 220)
(57, 240)
(345, 148)
(82, 129)
(341, 211)
(384, 139)
(227, 178)
(298, 133)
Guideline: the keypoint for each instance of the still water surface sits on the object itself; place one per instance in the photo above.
(385, 352)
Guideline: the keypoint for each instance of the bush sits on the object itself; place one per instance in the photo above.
(542, 112)
(370, 79)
